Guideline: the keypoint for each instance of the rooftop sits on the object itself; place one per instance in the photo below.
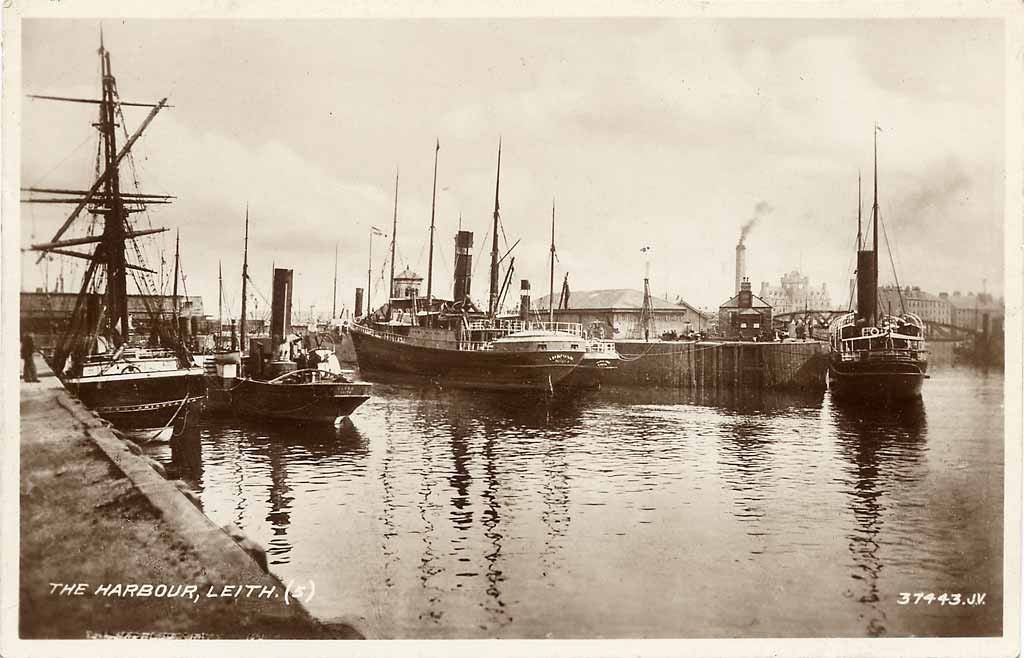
(612, 298)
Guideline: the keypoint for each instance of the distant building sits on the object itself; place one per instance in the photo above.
(928, 307)
(407, 284)
(39, 308)
(615, 313)
(794, 293)
(48, 314)
(745, 316)
(981, 312)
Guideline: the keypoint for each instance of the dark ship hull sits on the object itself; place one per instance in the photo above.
(879, 380)
(145, 406)
(320, 402)
(464, 368)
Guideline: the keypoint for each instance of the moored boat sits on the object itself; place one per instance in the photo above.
(304, 396)
(454, 343)
(282, 389)
(874, 355)
(145, 385)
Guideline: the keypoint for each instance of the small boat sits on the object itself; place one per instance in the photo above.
(872, 355)
(305, 396)
(143, 382)
(324, 394)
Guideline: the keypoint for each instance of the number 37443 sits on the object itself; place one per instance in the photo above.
(943, 598)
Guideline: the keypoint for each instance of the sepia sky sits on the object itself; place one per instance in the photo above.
(669, 133)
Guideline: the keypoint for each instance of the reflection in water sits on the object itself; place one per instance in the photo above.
(442, 513)
(880, 444)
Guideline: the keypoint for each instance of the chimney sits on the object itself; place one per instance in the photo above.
(746, 296)
(463, 265)
(741, 264)
(524, 300)
(281, 305)
(359, 302)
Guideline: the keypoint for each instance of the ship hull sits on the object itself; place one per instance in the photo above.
(477, 369)
(304, 403)
(144, 406)
(877, 381)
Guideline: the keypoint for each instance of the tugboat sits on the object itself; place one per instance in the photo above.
(148, 389)
(281, 389)
(874, 356)
(455, 343)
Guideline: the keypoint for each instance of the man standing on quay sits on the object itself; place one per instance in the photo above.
(27, 348)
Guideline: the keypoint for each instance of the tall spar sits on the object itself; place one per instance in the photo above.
(245, 280)
(492, 303)
(394, 237)
(551, 279)
(430, 260)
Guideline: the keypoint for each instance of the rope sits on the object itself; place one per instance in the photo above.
(892, 263)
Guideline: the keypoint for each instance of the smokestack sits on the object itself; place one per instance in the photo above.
(524, 300)
(359, 302)
(281, 305)
(463, 265)
(741, 264)
(866, 291)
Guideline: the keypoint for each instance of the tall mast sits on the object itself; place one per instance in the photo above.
(174, 295)
(858, 211)
(874, 230)
(334, 294)
(551, 279)
(369, 271)
(430, 259)
(394, 237)
(220, 300)
(493, 299)
(114, 214)
(245, 280)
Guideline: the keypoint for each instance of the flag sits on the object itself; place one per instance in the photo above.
(376, 231)
(438, 147)
(645, 250)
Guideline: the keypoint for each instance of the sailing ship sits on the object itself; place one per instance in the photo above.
(874, 355)
(455, 343)
(279, 390)
(147, 388)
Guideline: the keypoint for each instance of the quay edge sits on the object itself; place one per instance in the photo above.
(95, 511)
(722, 364)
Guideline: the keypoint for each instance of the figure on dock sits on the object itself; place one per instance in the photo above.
(27, 349)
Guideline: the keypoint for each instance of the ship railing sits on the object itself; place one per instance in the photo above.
(882, 355)
(461, 345)
(515, 326)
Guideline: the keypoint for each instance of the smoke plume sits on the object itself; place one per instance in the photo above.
(761, 210)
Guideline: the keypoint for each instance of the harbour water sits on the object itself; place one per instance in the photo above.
(626, 513)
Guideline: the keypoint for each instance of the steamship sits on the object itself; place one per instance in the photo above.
(455, 343)
(145, 386)
(271, 384)
(873, 355)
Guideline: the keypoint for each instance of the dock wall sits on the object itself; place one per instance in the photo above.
(98, 514)
(721, 364)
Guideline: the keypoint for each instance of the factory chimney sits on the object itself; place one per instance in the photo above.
(741, 264)
(463, 265)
